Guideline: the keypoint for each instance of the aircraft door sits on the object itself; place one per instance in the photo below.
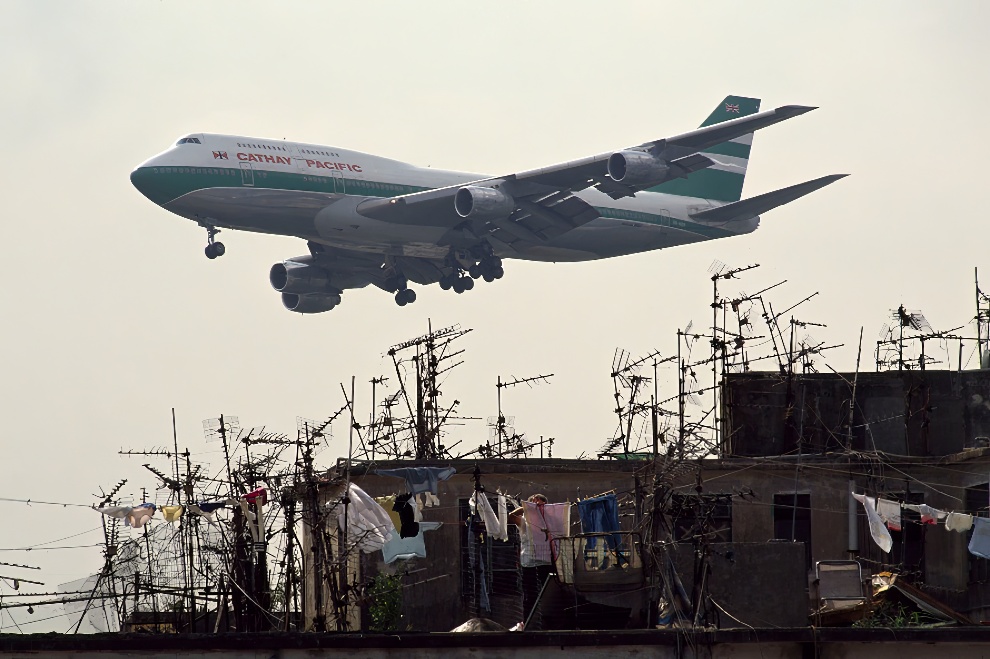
(247, 174)
(338, 180)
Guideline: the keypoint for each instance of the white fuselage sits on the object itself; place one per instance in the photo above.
(312, 191)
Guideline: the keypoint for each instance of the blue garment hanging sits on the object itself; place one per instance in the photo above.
(420, 479)
(600, 515)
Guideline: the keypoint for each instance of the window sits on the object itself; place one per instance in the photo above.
(188, 140)
(697, 515)
(501, 559)
(792, 520)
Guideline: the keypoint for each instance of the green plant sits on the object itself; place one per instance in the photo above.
(890, 615)
(386, 602)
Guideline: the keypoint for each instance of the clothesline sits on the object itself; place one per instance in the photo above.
(139, 515)
(46, 503)
(884, 515)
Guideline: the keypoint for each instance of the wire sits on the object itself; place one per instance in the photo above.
(99, 544)
(47, 503)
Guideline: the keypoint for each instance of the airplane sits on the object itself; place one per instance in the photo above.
(372, 220)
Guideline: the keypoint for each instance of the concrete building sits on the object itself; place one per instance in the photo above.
(775, 502)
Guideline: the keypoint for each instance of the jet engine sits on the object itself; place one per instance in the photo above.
(313, 303)
(479, 203)
(637, 168)
(299, 277)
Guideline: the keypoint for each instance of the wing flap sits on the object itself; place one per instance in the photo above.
(748, 208)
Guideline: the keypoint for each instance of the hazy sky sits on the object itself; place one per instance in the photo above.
(114, 315)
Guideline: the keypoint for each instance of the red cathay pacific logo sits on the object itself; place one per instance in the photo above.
(220, 155)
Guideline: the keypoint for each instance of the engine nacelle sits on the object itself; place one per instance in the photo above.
(309, 303)
(636, 168)
(478, 203)
(299, 278)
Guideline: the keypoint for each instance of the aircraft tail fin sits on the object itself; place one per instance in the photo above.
(750, 208)
(723, 181)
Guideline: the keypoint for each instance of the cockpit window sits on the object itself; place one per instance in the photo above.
(188, 140)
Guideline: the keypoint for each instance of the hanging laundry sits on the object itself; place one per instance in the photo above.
(492, 525)
(503, 516)
(140, 515)
(420, 479)
(251, 520)
(208, 509)
(959, 522)
(979, 544)
(405, 505)
(928, 514)
(172, 513)
(432, 500)
(117, 512)
(368, 525)
(544, 523)
(258, 497)
(878, 530)
(890, 512)
(388, 503)
(404, 548)
(600, 515)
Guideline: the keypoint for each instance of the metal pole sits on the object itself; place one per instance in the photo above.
(852, 399)
(851, 518)
(680, 399)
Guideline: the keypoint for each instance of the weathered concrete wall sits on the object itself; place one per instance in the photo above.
(909, 413)
(755, 584)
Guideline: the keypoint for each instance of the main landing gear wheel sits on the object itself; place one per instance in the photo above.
(405, 296)
(213, 250)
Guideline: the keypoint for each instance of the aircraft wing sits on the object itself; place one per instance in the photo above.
(748, 208)
(545, 206)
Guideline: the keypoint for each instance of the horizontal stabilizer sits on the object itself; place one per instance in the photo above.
(749, 208)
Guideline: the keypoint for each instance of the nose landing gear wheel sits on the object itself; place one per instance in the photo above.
(213, 250)
(213, 247)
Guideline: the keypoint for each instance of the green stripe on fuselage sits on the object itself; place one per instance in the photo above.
(734, 149)
(705, 184)
(165, 184)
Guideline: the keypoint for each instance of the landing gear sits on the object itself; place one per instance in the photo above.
(396, 283)
(488, 268)
(214, 248)
(462, 284)
(405, 296)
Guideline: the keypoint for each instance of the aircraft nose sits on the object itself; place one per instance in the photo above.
(145, 180)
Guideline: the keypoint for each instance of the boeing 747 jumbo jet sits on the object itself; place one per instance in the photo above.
(371, 220)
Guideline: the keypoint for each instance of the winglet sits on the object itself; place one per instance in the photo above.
(793, 110)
